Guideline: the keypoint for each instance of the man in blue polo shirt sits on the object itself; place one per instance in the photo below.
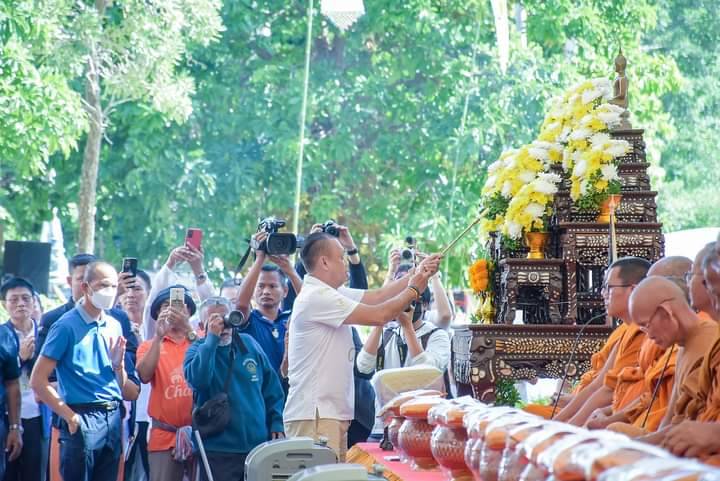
(267, 284)
(86, 349)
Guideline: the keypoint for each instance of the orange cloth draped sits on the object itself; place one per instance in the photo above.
(690, 398)
(709, 383)
(540, 410)
(661, 402)
(597, 362)
(628, 352)
(631, 380)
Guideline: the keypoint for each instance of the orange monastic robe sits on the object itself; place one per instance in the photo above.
(628, 353)
(631, 380)
(690, 402)
(597, 362)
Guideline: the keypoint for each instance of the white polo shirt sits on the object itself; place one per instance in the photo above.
(321, 353)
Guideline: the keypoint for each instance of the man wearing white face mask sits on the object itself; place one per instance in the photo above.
(87, 349)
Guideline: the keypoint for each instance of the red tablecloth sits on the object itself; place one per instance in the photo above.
(362, 451)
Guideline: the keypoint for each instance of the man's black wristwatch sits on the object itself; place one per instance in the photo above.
(352, 251)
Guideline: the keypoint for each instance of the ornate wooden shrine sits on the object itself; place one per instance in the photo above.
(554, 298)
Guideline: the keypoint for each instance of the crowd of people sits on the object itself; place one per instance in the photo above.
(115, 383)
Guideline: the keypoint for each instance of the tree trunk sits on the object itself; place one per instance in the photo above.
(91, 160)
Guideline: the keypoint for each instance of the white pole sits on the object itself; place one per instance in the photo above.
(303, 114)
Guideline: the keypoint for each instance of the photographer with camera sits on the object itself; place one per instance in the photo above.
(440, 312)
(160, 363)
(229, 372)
(321, 337)
(267, 285)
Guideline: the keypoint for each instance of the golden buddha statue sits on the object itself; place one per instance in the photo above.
(620, 90)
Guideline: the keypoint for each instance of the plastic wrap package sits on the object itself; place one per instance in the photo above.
(496, 435)
(537, 443)
(662, 469)
(475, 423)
(415, 433)
(389, 383)
(449, 436)
(556, 459)
(619, 456)
(513, 460)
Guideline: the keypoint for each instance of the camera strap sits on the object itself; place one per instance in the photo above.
(243, 260)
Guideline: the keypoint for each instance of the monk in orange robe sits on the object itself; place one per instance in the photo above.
(659, 307)
(698, 435)
(620, 280)
(635, 385)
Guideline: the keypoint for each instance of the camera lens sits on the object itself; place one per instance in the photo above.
(234, 319)
(406, 254)
(332, 230)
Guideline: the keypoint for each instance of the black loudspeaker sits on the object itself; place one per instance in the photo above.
(29, 260)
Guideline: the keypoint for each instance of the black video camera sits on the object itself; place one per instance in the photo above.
(277, 243)
(331, 227)
(407, 254)
(235, 320)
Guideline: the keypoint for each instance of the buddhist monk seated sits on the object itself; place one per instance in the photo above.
(698, 433)
(642, 391)
(659, 307)
(620, 280)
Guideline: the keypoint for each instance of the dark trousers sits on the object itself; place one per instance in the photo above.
(357, 433)
(93, 452)
(137, 466)
(3, 438)
(33, 458)
(224, 466)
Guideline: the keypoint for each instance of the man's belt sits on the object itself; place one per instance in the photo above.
(99, 406)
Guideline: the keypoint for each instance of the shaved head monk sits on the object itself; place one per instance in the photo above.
(621, 278)
(699, 434)
(660, 308)
(635, 384)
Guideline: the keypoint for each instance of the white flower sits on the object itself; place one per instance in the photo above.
(580, 134)
(535, 210)
(514, 229)
(618, 148)
(526, 176)
(490, 182)
(539, 153)
(586, 119)
(600, 139)
(566, 160)
(511, 161)
(609, 172)
(580, 168)
(592, 94)
(546, 183)
(506, 189)
(583, 187)
(494, 166)
(564, 134)
(577, 156)
(610, 118)
(604, 86)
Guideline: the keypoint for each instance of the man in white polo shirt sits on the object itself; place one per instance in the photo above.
(321, 353)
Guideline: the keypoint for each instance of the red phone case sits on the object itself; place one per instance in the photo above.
(194, 238)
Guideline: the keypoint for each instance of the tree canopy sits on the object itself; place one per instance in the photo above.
(385, 151)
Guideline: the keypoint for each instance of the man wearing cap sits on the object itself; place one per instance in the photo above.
(86, 347)
(160, 362)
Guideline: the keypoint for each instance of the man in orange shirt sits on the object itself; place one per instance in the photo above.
(160, 362)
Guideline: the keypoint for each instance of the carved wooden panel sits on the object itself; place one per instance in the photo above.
(537, 283)
(635, 206)
(484, 354)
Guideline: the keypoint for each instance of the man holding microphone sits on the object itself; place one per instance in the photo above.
(321, 352)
